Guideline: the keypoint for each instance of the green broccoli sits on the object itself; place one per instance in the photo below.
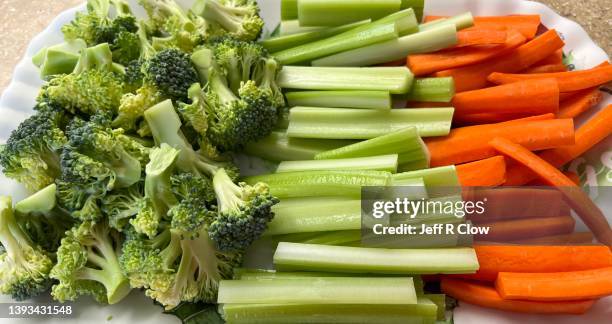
(121, 205)
(24, 267)
(194, 114)
(172, 72)
(240, 61)
(267, 81)
(88, 263)
(236, 18)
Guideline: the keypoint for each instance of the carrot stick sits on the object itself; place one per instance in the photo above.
(525, 24)
(571, 175)
(486, 296)
(489, 172)
(517, 229)
(480, 36)
(554, 58)
(548, 68)
(568, 81)
(590, 214)
(588, 135)
(581, 102)
(424, 64)
(475, 76)
(555, 286)
(486, 118)
(529, 98)
(572, 238)
(471, 143)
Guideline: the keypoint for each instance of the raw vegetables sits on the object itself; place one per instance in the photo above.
(489, 172)
(291, 27)
(386, 163)
(342, 99)
(288, 9)
(472, 37)
(431, 90)
(549, 68)
(338, 12)
(462, 21)
(582, 101)
(336, 238)
(279, 147)
(445, 176)
(526, 24)
(533, 227)
(576, 238)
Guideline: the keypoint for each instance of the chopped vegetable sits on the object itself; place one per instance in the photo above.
(431, 90)
(489, 172)
(288, 9)
(526, 24)
(472, 37)
(580, 102)
(511, 230)
(341, 99)
(549, 68)
(338, 12)
(279, 147)
(462, 21)
(386, 163)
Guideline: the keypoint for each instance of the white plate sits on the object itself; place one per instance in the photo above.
(18, 99)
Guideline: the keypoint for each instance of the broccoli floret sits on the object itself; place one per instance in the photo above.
(89, 25)
(268, 83)
(88, 263)
(236, 18)
(239, 61)
(121, 205)
(31, 155)
(194, 114)
(24, 267)
(171, 71)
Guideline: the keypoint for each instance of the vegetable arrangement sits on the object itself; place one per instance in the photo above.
(129, 159)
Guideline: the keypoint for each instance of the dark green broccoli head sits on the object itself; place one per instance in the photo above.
(133, 75)
(186, 185)
(172, 73)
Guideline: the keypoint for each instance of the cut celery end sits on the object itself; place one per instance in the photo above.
(342, 123)
(440, 301)
(445, 176)
(414, 165)
(417, 5)
(341, 99)
(282, 42)
(290, 27)
(321, 183)
(300, 215)
(311, 257)
(432, 90)
(386, 163)
(278, 147)
(320, 290)
(409, 26)
(395, 80)
(338, 43)
(289, 9)
(426, 41)
(462, 21)
(338, 12)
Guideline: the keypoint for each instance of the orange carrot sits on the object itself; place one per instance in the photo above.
(580, 103)
(568, 81)
(486, 296)
(487, 118)
(480, 36)
(563, 239)
(586, 209)
(571, 175)
(517, 229)
(475, 76)
(424, 64)
(489, 172)
(468, 144)
(525, 24)
(555, 286)
(529, 98)
(588, 135)
(548, 68)
(554, 58)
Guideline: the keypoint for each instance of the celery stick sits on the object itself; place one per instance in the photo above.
(445, 176)
(282, 42)
(338, 12)
(345, 238)
(289, 9)
(380, 162)
(341, 99)
(321, 183)
(462, 21)
(395, 80)
(342, 123)
(405, 142)
(417, 5)
(290, 27)
(413, 165)
(338, 43)
(279, 147)
(426, 41)
(432, 90)
(440, 301)
(404, 29)
(321, 290)
(312, 257)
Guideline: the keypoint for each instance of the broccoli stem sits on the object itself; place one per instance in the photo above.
(321, 290)
(395, 80)
(290, 27)
(429, 40)
(228, 17)
(228, 193)
(431, 90)
(313, 257)
(379, 163)
(219, 86)
(12, 238)
(289, 9)
(462, 21)
(43, 201)
(341, 99)
(278, 147)
(342, 123)
(338, 12)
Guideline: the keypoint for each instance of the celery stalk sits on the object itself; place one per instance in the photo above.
(289, 9)
(282, 42)
(341, 99)
(320, 290)
(462, 21)
(430, 40)
(312, 257)
(338, 43)
(432, 90)
(440, 301)
(445, 176)
(380, 163)
(338, 12)
(321, 183)
(417, 5)
(396, 80)
(279, 147)
(290, 27)
(342, 123)
(402, 15)
(405, 142)
(345, 238)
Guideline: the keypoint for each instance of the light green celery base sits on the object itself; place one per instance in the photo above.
(311, 257)
(462, 21)
(320, 290)
(341, 99)
(445, 176)
(290, 27)
(386, 163)
(432, 90)
(289, 9)
(278, 147)
(341, 123)
(338, 12)
(426, 41)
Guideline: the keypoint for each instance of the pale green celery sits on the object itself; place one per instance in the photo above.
(432, 90)
(404, 29)
(412, 151)
(440, 301)
(338, 12)
(423, 312)
(380, 163)
(440, 181)
(290, 27)
(342, 123)
(339, 43)
(462, 21)
(341, 99)
(321, 183)
(278, 147)
(410, 188)
(395, 80)
(345, 238)
(289, 9)
(282, 42)
(426, 41)
(313, 257)
(417, 5)
(320, 290)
